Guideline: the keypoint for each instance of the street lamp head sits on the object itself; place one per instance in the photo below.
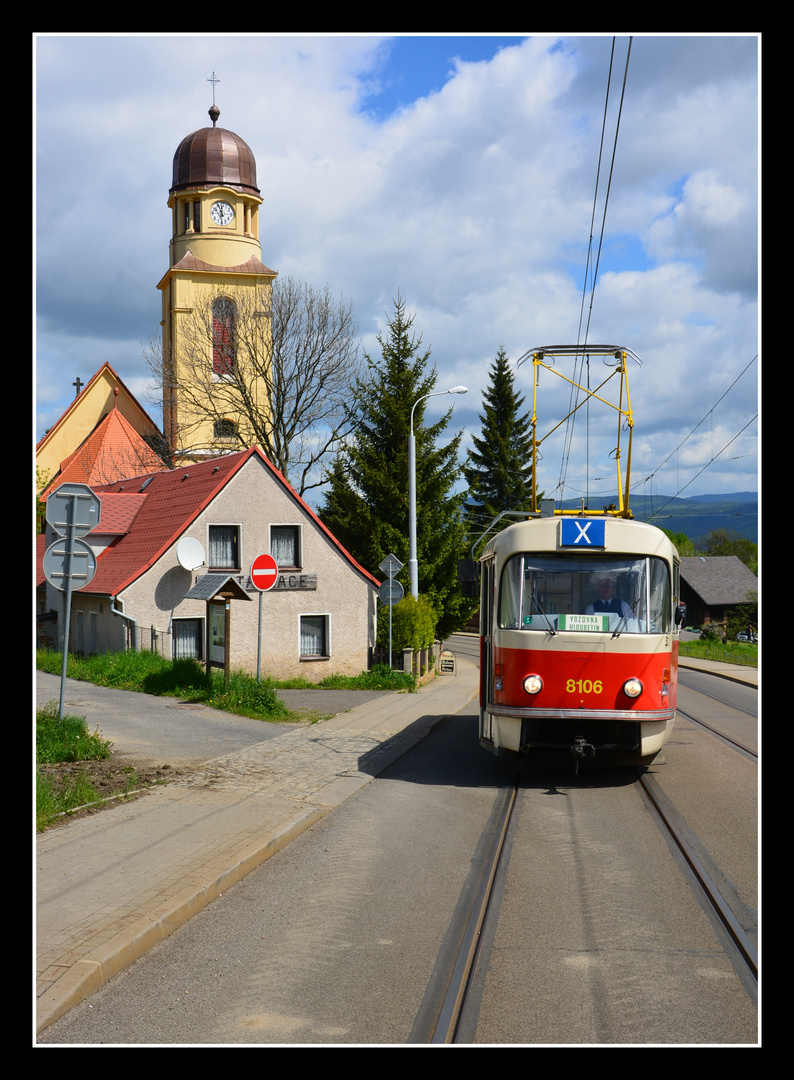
(458, 390)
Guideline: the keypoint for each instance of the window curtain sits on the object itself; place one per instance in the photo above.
(284, 545)
(313, 636)
(223, 547)
(187, 639)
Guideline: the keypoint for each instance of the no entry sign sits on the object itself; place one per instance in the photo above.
(264, 572)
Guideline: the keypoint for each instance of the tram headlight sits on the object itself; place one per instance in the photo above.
(533, 684)
(632, 688)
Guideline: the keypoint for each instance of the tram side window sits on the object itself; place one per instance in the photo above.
(659, 597)
(510, 594)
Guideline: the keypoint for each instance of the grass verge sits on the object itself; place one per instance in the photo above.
(727, 652)
(150, 673)
(58, 740)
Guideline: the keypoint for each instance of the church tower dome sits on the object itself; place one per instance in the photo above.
(212, 156)
(214, 198)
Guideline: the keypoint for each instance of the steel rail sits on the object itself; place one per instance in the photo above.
(454, 1000)
(727, 919)
(734, 744)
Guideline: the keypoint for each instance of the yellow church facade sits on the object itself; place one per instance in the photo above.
(104, 393)
(216, 298)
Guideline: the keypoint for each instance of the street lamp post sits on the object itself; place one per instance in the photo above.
(413, 566)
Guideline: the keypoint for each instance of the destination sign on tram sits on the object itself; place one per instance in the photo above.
(583, 532)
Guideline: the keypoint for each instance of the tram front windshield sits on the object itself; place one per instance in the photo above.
(621, 593)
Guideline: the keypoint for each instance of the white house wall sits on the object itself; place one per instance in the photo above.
(253, 500)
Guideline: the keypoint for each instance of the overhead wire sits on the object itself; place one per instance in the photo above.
(706, 466)
(709, 413)
(573, 397)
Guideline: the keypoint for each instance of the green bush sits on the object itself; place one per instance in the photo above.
(413, 624)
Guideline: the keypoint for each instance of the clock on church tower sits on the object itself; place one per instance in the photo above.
(215, 277)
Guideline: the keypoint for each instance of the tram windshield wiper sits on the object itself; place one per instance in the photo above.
(534, 605)
(630, 614)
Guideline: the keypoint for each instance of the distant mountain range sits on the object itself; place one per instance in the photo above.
(696, 516)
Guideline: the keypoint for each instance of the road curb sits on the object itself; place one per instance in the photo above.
(136, 939)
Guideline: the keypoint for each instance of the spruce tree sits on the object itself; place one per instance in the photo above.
(498, 469)
(366, 502)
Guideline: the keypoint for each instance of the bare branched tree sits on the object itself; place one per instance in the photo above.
(273, 369)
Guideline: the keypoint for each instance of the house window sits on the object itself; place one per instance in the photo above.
(188, 640)
(224, 545)
(315, 637)
(285, 545)
(223, 337)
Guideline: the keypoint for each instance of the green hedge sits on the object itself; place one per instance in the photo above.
(413, 624)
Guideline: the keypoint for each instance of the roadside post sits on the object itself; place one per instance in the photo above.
(264, 575)
(391, 591)
(72, 511)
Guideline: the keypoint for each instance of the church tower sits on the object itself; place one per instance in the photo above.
(216, 298)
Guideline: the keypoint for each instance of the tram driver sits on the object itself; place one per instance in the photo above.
(606, 601)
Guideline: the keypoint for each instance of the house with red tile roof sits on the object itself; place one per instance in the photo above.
(169, 540)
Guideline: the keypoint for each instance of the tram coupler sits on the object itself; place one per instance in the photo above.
(581, 750)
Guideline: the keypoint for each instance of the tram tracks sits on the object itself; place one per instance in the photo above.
(443, 1019)
(727, 740)
(722, 904)
(444, 1003)
(735, 708)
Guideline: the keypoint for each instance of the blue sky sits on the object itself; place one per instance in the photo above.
(415, 67)
(457, 171)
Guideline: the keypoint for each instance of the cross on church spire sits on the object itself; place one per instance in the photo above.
(79, 386)
(214, 111)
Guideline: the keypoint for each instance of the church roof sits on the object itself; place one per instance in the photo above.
(253, 266)
(214, 155)
(105, 376)
(113, 450)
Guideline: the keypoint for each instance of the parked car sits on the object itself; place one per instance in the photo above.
(743, 635)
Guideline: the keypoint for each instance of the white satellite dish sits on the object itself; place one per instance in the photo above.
(190, 553)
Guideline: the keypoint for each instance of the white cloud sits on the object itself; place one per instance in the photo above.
(475, 200)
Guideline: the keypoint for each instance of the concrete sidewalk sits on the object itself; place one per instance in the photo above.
(113, 884)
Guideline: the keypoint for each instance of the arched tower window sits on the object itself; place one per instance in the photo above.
(225, 429)
(223, 337)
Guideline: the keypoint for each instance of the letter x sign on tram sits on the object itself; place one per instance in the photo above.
(576, 532)
(264, 572)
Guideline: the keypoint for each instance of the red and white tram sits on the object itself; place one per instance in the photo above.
(579, 610)
(579, 638)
